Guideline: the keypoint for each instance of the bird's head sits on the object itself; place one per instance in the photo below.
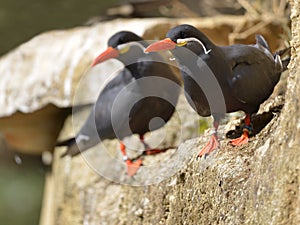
(182, 36)
(122, 45)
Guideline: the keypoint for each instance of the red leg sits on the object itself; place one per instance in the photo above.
(213, 142)
(142, 139)
(150, 151)
(132, 167)
(245, 136)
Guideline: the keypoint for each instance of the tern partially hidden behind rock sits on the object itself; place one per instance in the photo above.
(222, 79)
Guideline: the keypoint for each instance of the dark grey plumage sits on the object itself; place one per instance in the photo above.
(222, 79)
(114, 109)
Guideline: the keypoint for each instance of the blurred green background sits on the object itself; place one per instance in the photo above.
(21, 185)
(21, 188)
(21, 20)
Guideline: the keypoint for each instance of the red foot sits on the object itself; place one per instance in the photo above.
(241, 140)
(156, 150)
(133, 167)
(211, 145)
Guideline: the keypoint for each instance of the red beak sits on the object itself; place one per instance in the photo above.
(109, 53)
(166, 44)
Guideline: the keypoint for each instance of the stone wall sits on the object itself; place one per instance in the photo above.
(254, 184)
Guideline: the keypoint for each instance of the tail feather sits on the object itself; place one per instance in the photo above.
(285, 63)
(278, 63)
(281, 64)
(72, 148)
(260, 40)
(281, 54)
(67, 142)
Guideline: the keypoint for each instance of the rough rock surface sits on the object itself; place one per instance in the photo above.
(253, 184)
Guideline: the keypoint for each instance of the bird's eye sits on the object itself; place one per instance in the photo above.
(181, 42)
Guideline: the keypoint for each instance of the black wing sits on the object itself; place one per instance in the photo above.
(254, 73)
